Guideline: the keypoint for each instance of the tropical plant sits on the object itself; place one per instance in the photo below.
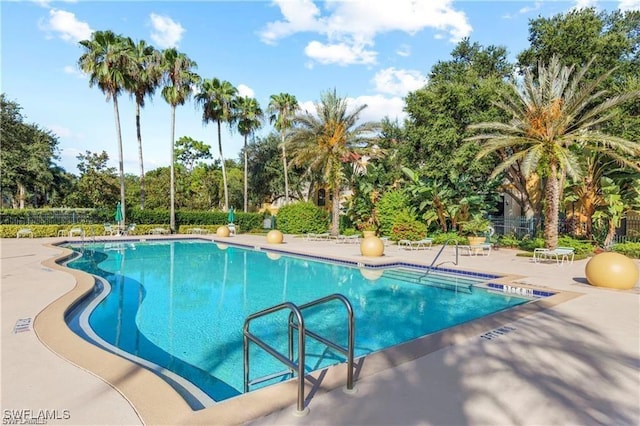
(143, 77)
(218, 99)
(249, 115)
(325, 142)
(477, 226)
(178, 82)
(106, 59)
(301, 217)
(282, 110)
(550, 116)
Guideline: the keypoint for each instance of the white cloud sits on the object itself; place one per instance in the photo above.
(580, 4)
(378, 107)
(396, 82)
(629, 5)
(166, 32)
(340, 53)
(66, 26)
(71, 70)
(404, 50)
(244, 90)
(350, 26)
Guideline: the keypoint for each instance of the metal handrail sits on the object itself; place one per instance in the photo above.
(302, 333)
(286, 361)
(349, 350)
(438, 255)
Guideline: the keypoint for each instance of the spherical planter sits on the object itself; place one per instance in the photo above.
(273, 256)
(275, 237)
(223, 231)
(366, 234)
(371, 247)
(612, 270)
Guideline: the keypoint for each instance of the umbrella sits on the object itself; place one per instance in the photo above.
(231, 216)
(118, 215)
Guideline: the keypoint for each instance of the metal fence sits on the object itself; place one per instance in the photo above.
(50, 217)
(519, 225)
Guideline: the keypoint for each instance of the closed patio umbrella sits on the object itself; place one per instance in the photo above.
(118, 215)
(231, 216)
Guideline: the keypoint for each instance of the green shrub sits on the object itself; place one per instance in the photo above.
(443, 237)
(301, 218)
(629, 249)
(509, 240)
(392, 208)
(582, 247)
(408, 228)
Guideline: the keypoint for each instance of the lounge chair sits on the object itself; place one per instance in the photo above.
(76, 231)
(232, 229)
(129, 229)
(477, 249)
(109, 229)
(311, 236)
(24, 232)
(424, 243)
(561, 254)
(158, 231)
(345, 239)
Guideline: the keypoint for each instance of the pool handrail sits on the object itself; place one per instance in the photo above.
(302, 333)
(438, 255)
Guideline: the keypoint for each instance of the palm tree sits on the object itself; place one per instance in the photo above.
(555, 117)
(326, 141)
(179, 79)
(282, 109)
(106, 59)
(218, 100)
(250, 117)
(143, 78)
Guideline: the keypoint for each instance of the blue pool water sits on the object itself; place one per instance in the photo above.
(181, 305)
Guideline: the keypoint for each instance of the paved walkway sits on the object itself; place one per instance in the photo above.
(575, 363)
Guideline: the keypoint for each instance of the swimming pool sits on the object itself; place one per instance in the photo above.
(178, 308)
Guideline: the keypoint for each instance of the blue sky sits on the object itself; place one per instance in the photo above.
(372, 51)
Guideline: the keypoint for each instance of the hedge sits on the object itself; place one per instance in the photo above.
(42, 231)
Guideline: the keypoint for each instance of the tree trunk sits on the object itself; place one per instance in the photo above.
(120, 157)
(286, 173)
(611, 233)
(246, 196)
(139, 134)
(172, 190)
(335, 209)
(224, 170)
(21, 195)
(551, 208)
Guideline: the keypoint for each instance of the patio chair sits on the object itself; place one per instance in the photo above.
(483, 249)
(424, 243)
(312, 236)
(561, 254)
(24, 232)
(345, 239)
(109, 229)
(76, 232)
(129, 229)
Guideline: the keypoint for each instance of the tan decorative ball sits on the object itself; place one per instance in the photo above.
(372, 247)
(612, 270)
(223, 231)
(371, 274)
(275, 237)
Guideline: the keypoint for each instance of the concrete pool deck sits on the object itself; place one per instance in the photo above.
(577, 362)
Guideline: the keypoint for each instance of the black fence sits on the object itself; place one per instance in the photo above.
(51, 217)
(518, 225)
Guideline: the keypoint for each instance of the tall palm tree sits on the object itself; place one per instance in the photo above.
(249, 115)
(144, 77)
(282, 109)
(106, 59)
(218, 99)
(327, 141)
(178, 82)
(555, 117)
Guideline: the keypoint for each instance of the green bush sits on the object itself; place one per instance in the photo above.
(509, 240)
(408, 228)
(443, 237)
(301, 218)
(582, 247)
(392, 208)
(629, 249)
(54, 216)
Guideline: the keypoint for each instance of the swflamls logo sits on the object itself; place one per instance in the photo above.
(33, 417)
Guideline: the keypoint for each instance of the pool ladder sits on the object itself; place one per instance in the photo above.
(298, 324)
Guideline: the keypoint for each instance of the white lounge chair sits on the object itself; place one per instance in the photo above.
(76, 232)
(483, 249)
(424, 243)
(345, 239)
(24, 232)
(561, 254)
(311, 236)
